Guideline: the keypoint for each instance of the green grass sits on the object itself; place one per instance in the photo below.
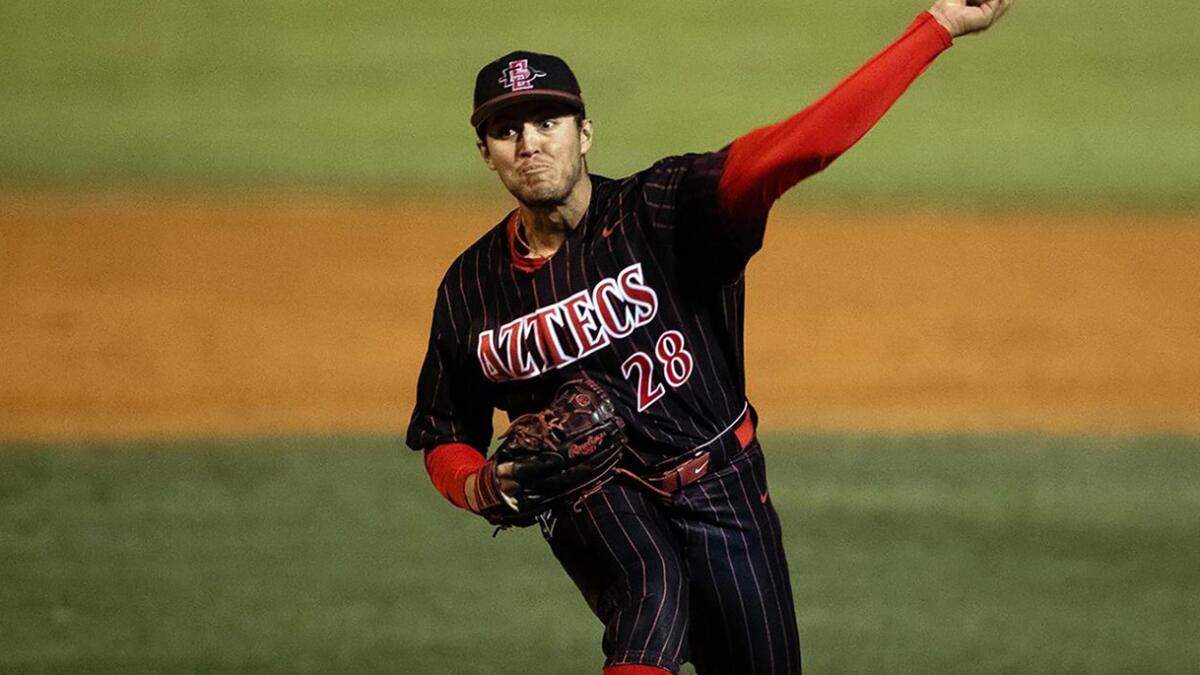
(1070, 104)
(951, 554)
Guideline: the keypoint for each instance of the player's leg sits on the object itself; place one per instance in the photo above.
(617, 548)
(742, 614)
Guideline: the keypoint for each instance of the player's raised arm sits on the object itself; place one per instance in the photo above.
(764, 163)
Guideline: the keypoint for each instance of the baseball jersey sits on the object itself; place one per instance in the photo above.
(645, 297)
(646, 294)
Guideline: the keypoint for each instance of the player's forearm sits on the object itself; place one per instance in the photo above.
(764, 163)
(448, 466)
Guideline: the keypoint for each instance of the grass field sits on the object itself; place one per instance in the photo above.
(952, 554)
(192, 142)
(1069, 104)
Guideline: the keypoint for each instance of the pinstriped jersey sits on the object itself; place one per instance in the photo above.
(645, 296)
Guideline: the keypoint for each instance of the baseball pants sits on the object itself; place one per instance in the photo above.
(700, 578)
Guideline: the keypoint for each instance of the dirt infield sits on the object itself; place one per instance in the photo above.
(133, 318)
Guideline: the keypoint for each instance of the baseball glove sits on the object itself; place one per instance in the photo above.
(567, 449)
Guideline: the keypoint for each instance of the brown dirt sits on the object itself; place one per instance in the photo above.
(134, 318)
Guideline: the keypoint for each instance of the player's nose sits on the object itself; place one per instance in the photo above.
(529, 142)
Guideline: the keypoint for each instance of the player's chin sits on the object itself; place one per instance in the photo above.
(543, 193)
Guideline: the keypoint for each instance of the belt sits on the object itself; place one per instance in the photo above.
(702, 460)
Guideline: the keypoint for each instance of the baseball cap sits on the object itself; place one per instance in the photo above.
(522, 76)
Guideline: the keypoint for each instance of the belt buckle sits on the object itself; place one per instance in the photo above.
(687, 473)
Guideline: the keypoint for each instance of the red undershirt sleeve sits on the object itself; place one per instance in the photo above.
(764, 163)
(448, 466)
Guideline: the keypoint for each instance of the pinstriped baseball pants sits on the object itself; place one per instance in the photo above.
(702, 578)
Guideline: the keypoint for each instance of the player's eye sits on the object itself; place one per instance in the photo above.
(549, 123)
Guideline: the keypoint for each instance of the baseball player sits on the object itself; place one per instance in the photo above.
(637, 284)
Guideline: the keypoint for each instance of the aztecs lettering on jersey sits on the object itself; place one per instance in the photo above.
(568, 330)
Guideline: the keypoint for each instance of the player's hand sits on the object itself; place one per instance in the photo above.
(481, 487)
(962, 17)
(504, 475)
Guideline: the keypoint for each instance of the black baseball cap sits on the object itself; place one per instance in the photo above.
(522, 76)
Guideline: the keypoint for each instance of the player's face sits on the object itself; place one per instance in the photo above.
(538, 151)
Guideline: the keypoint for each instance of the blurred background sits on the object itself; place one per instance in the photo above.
(973, 339)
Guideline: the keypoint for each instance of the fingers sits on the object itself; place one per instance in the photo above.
(1001, 6)
(991, 8)
(963, 17)
(992, 11)
(504, 477)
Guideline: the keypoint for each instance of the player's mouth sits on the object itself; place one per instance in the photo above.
(532, 169)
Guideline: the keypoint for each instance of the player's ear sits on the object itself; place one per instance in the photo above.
(585, 136)
(485, 153)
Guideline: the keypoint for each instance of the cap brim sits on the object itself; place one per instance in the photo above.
(484, 112)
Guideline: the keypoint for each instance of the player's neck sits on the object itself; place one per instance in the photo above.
(546, 228)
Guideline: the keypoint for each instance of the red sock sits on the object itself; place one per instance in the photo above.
(635, 669)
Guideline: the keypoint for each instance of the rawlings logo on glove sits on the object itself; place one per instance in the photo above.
(587, 447)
